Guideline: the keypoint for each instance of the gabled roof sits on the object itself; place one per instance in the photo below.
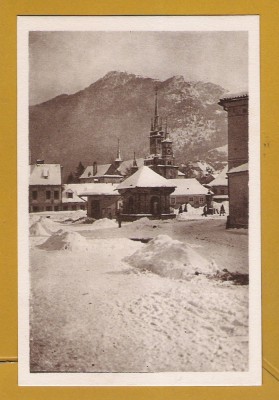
(188, 187)
(45, 174)
(221, 179)
(102, 170)
(93, 189)
(240, 168)
(202, 166)
(146, 177)
(75, 189)
(126, 165)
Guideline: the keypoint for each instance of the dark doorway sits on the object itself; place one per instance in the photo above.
(95, 209)
(155, 206)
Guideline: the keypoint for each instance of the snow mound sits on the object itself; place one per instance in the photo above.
(38, 229)
(170, 258)
(65, 241)
(104, 223)
(43, 227)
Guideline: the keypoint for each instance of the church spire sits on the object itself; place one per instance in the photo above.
(118, 157)
(156, 116)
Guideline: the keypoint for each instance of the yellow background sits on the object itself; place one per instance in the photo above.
(269, 26)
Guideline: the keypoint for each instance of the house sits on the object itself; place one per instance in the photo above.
(45, 187)
(146, 194)
(219, 186)
(237, 108)
(188, 191)
(161, 158)
(201, 170)
(71, 198)
(103, 199)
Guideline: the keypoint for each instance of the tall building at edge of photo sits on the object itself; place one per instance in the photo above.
(237, 108)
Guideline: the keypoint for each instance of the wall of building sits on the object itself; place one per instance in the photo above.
(195, 200)
(237, 133)
(74, 206)
(220, 190)
(239, 200)
(44, 198)
(102, 206)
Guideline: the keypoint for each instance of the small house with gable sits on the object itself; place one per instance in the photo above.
(146, 194)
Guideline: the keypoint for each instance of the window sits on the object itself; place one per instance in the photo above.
(191, 199)
(201, 200)
(56, 208)
(35, 208)
(69, 195)
(48, 208)
(65, 208)
(56, 194)
(222, 191)
(74, 207)
(34, 194)
(82, 207)
(48, 195)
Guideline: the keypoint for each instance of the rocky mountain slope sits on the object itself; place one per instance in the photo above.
(85, 126)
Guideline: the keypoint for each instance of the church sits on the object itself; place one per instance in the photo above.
(161, 158)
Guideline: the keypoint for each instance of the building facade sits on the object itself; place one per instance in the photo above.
(45, 187)
(71, 198)
(237, 107)
(188, 191)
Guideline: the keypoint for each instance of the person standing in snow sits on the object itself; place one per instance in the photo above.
(185, 207)
(204, 211)
(180, 209)
(118, 217)
(222, 210)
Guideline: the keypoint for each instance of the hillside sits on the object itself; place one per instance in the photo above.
(84, 126)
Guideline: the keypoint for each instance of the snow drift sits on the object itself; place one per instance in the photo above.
(105, 223)
(43, 227)
(170, 258)
(61, 240)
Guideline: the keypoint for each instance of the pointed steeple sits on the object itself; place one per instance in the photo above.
(135, 161)
(152, 127)
(118, 157)
(156, 116)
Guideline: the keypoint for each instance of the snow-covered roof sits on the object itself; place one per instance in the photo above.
(126, 165)
(106, 189)
(146, 177)
(74, 188)
(179, 173)
(221, 179)
(240, 168)
(45, 174)
(188, 187)
(102, 170)
(202, 166)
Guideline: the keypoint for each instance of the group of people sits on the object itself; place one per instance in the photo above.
(214, 211)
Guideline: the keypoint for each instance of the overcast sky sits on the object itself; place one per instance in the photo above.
(65, 62)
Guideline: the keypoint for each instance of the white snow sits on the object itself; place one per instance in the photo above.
(105, 223)
(65, 241)
(110, 304)
(171, 258)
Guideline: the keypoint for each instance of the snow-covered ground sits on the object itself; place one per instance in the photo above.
(101, 302)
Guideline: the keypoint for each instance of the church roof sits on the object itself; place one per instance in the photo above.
(145, 177)
(102, 170)
(221, 179)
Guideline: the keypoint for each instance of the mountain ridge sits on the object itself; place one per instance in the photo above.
(84, 126)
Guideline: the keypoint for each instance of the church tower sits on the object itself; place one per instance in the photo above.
(161, 158)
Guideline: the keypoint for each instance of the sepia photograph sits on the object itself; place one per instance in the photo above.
(139, 204)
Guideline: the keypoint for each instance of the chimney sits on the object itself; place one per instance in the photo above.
(95, 168)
